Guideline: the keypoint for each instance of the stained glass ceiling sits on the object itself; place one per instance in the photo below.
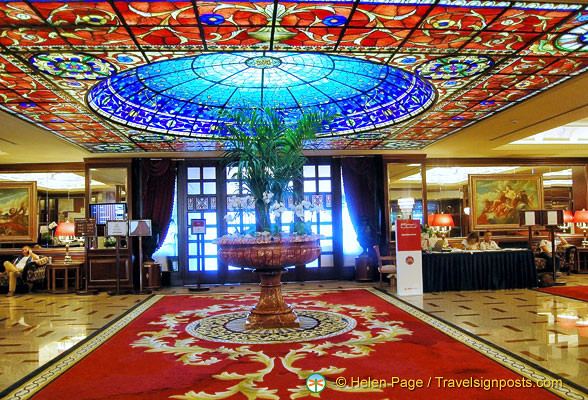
(480, 57)
(194, 96)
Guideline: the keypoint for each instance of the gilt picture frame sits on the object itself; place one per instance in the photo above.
(18, 212)
(495, 200)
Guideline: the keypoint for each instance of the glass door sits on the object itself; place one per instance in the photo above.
(204, 200)
(317, 188)
(208, 193)
(201, 207)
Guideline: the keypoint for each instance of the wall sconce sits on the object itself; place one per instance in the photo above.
(406, 205)
(442, 223)
(581, 221)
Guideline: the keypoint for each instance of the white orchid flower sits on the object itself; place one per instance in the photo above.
(317, 208)
(267, 197)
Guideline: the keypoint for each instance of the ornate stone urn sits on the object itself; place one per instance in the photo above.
(269, 256)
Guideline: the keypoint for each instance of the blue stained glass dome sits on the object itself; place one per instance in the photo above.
(187, 96)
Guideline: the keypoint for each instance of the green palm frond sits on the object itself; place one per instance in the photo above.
(267, 151)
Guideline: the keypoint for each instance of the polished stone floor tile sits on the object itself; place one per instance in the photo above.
(536, 326)
(35, 328)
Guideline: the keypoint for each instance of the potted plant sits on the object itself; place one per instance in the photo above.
(266, 151)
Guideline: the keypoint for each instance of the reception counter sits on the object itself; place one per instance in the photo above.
(479, 270)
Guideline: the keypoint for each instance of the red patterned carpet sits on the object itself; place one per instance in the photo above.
(192, 347)
(574, 292)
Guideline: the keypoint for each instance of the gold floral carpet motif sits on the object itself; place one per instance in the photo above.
(196, 348)
(230, 328)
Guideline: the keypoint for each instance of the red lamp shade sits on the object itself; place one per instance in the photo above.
(430, 219)
(65, 229)
(568, 217)
(581, 217)
(442, 220)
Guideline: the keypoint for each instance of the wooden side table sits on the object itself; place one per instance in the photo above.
(151, 276)
(363, 270)
(66, 268)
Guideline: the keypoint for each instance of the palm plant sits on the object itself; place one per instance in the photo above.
(267, 153)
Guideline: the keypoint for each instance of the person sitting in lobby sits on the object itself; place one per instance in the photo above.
(18, 265)
(547, 250)
(488, 243)
(471, 242)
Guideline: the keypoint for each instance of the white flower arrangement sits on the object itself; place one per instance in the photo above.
(276, 209)
(239, 204)
(267, 197)
(303, 210)
(305, 205)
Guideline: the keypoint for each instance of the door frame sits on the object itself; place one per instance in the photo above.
(224, 275)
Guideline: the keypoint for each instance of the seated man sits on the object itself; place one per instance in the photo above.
(471, 242)
(18, 265)
(547, 250)
(488, 243)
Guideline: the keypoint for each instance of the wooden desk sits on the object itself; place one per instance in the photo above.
(66, 268)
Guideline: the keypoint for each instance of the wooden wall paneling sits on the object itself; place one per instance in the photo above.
(221, 210)
(579, 187)
(102, 270)
(337, 217)
(386, 201)
(424, 191)
(102, 262)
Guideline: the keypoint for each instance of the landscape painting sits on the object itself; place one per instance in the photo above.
(495, 200)
(18, 212)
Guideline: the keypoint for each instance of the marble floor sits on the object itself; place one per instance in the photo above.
(536, 326)
(37, 327)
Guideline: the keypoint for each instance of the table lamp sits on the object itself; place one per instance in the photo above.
(65, 231)
(581, 221)
(442, 223)
(568, 220)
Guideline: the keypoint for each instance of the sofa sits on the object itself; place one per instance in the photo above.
(33, 275)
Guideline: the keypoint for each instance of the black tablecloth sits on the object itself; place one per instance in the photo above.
(489, 270)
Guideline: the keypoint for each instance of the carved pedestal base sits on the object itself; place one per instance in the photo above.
(271, 311)
(268, 256)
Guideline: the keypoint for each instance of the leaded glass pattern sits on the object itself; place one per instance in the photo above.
(188, 96)
(527, 48)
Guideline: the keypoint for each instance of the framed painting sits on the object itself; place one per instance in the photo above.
(18, 212)
(495, 200)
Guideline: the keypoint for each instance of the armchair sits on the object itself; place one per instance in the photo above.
(567, 256)
(33, 273)
(388, 268)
